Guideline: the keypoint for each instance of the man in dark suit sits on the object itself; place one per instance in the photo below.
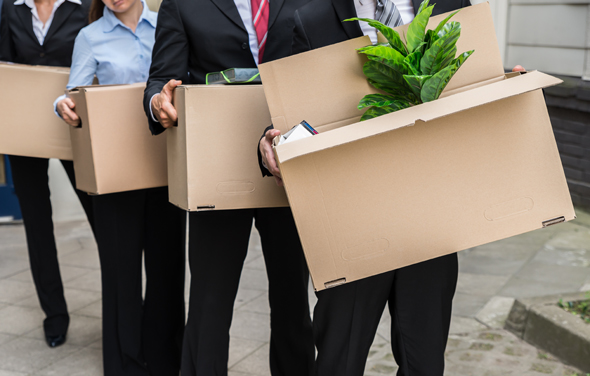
(419, 296)
(23, 41)
(193, 38)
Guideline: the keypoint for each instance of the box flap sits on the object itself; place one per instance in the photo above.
(324, 86)
(424, 112)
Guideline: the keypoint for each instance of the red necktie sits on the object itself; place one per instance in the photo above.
(260, 19)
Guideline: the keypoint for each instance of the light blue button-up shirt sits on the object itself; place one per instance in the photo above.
(112, 51)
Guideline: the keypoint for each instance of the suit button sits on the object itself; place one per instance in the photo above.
(244, 46)
(42, 54)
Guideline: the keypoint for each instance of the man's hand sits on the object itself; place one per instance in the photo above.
(162, 104)
(268, 156)
(518, 68)
(65, 109)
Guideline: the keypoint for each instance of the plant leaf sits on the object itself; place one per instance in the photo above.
(442, 51)
(399, 92)
(444, 22)
(397, 65)
(384, 75)
(391, 35)
(383, 52)
(412, 61)
(377, 100)
(416, 83)
(437, 83)
(423, 5)
(430, 38)
(447, 28)
(374, 112)
(461, 58)
(417, 28)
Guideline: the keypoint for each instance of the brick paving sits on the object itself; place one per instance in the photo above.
(543, 262)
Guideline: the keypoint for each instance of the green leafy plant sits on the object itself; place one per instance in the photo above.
(580, 308)
(413, 72)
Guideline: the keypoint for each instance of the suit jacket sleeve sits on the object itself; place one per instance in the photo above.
(169, 57)
(7, 51)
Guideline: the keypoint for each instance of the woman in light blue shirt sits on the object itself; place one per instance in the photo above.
(140, 336)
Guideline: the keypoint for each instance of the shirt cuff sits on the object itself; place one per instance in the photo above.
(55, 104)
(151, 111)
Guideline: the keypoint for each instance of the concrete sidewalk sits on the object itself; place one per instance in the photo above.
(548, 261)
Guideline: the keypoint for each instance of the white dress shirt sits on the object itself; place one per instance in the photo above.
(366, 9)
(38, 27)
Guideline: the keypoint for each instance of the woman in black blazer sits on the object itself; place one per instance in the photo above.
(25, 39)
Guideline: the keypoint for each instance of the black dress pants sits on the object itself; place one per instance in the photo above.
(31, 184)
(141, 336)
(420, 299)
(217, 248)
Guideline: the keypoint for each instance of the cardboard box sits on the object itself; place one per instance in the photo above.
(478, 165)
(114, 150)
(212, 162)
(29, 127)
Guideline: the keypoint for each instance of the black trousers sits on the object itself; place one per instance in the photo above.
(420, 299)
(217, 248)
(141, 336)
(31, 184)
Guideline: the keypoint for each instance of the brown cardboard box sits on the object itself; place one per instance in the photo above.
(29, 127)
(212, 161)
(478, 165)
(114, 150)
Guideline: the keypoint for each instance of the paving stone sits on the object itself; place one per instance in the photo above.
(250, 325)
(91, 310)
(246, 296)
(10, 373)
(77, 299)
(255, 364)
(468, 305)
(490, 265)
(87, 279)
(495, 312)
(480, 284)
(256, 263)
(84, 259)
(253, 279)
(19, 320)
(15, 291)
(524, 288)
(241, 348)
(258, 305)
(85, 362)
(29, 355)
(5, 338)
(11, 265)
(465, 325)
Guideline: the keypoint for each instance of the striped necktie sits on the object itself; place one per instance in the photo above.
(387, 13)
(260, 20)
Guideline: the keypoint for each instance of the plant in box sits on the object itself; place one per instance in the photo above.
(413, 72)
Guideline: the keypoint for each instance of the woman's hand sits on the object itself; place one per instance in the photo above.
(65, 109)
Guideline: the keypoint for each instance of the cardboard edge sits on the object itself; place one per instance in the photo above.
(85, 159)
(424, 112)
(178, 192)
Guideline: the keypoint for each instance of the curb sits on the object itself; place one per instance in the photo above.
(540, 322)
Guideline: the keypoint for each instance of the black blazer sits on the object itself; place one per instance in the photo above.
(319, 24)
(19, 44)
(195, 37)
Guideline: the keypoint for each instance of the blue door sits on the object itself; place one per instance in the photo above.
(9, 208)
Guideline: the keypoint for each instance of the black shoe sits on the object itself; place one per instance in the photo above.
(54, 341)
